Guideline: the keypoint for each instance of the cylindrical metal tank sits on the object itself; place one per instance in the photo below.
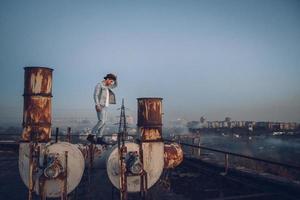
(150, 118)
(37, 104)
(53, 186)
(153, 165)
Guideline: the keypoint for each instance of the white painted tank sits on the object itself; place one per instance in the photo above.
(153, 159)
(53, 187)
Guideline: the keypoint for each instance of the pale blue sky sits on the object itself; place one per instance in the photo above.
(215, 58)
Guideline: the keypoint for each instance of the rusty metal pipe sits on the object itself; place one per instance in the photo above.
(37, 104)
(226, 163)
(123, 173)
(65, 188)
(173, 155)
(56, 134)
(91, 155)
(30, 181)
(69, 134)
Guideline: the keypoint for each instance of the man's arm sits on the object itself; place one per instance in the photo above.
(98, 90)
(96, 94)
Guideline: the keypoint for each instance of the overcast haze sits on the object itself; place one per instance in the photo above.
(214, 58)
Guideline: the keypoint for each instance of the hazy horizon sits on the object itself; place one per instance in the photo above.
(204, 58)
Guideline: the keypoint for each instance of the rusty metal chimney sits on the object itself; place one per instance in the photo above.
(150, 119)
(37, 104)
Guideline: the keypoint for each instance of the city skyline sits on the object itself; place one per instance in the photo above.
(214, 58)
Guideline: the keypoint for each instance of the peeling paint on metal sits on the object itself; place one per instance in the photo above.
(149, 111)
(150, 119)
(173, 155)
(52, 187)
(150, 134)
(153, 165)
(85, 150)
(37, 104)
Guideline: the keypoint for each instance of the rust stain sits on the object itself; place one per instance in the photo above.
(173, 155)
(150, 118)
(85, 150)
(43, 133)
(37, 104)
(38, 80)
(151, 134)
(149, 111)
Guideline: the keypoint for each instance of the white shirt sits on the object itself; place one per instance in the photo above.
(107, 98)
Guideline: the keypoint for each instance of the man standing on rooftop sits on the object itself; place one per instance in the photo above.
(103, 96)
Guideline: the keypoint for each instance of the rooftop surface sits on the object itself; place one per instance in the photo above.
(193, 179)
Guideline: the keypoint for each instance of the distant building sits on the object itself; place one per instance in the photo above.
(249, 125)
(225, 124)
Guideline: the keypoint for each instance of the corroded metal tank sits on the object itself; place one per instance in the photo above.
(153, 164)
(37, 104)
(53, 185)
(173, 155)
(150, 119)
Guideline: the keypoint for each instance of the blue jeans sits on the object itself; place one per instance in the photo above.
(102, 119)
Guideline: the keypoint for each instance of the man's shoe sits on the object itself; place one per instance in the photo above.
(100, 140)
(91, 138)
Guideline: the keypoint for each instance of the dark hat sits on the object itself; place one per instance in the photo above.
(111, 76)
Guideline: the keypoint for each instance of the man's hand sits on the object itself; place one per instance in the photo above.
(98, 108)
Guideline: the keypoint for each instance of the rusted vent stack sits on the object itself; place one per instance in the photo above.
(37, 104)
(150, 119)
(150, 127)
(48, 170)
